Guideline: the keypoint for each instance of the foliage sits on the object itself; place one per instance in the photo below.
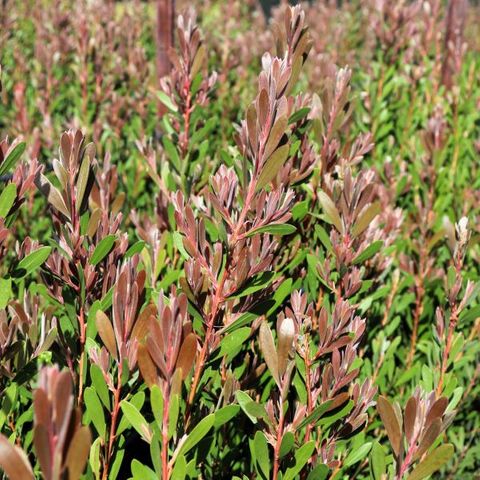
(262, 265)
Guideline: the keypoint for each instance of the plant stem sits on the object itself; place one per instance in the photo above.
(278, 443)
(113, 423)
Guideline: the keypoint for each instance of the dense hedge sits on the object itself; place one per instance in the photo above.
(263, 265)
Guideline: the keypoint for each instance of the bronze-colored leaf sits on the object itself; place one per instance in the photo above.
(41, 407)
(187, 354)
(105, 330)
(78, 453)
(410, 417)
(366, 218)
(93, 222)
(267, 346)
(82, 181)
(437, 410)
(330, 210)
(147, 368)
(199, 60)
(140, 329)
(263, 107)
(252, 126)
(53, 195)
(390, 421)
(13, 461)
(117, 204)
(432, 433)
(63, 402)
(42, 449)
(276, 134)
(272, 166)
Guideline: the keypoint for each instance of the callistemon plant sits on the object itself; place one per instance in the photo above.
(268, 274)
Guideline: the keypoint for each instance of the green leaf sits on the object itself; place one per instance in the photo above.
(94, 411)
(225, 414)
(261, 454)
(331, 419)
(259, 282)
(94, 457)
(288, 441)
(198, 433)
(320, 472)
(172, 153)
(252, 409)
(274, 229)
(82, 180)
(432, 462)
(7, 198)
(316, 414)
(299, 115)
(378, 462)
(102, 249)
(98, 382)
(32, 261)
(142, 472)
(137, 420)
(5, 291)
(244, 319)
(369, 252)
(272, 166)
(12, 158)
(302, 455)
(232, 342)
(156, 400)
(117, 463)
(137, 247)
(179, 471)
(358, 454)
(166, 100)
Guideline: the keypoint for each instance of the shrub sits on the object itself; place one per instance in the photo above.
(261, 265)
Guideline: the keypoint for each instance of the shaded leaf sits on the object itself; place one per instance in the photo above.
(199, 432)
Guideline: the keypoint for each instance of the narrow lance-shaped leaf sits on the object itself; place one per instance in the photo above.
(272, 166)
(105, 330)
(187, 353)
(78, 452)
(389, 419)
(269, 351)
(14, 462)
(7, 197)
(432, 462)
(32, 261)
(330, 210)
(102, 249)
(53, 195)
(12, 158)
